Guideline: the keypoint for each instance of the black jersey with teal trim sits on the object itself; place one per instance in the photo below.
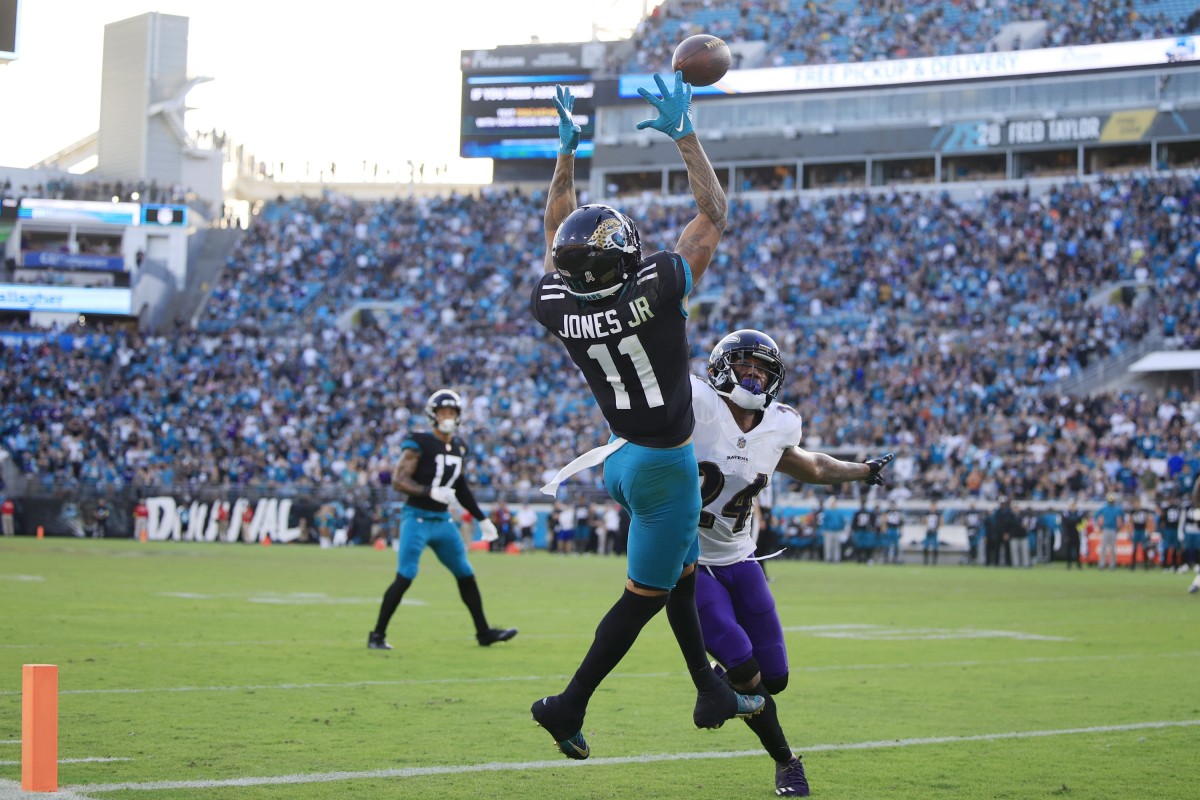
(632, 348)
(438, 464)
(1170, 515)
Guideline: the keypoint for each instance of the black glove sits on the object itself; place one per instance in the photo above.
(877, 464)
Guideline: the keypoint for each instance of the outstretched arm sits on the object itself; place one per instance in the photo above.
(560, 200)
(698, 241)
(821, 468)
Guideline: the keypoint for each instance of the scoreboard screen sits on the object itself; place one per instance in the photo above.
(513, 116)
(8, 30)
(161, 214)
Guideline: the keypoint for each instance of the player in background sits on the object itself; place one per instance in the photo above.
(622, 320)
(1071, 524)
(862, 533)
(973, 521)
(743, 435)
(1139, 519)
(1191, 535)
(930, 545)
(432, 473)
(1030, 522)
(893, 522)
(1170, 515)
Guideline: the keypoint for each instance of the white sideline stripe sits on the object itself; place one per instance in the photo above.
(415, 772)
(97, 760)
(884, 633)
(11, 790)
(10, 741)
(615, 675)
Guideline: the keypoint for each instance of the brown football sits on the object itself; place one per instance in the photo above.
(704, 59)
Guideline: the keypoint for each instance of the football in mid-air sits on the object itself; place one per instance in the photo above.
(703, 59)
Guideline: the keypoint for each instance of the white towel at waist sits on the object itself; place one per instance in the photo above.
(589, 459)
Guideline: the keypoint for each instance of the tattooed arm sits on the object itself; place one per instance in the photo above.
(698, 242)
(560, 201)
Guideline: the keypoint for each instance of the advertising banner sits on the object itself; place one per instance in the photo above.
(84, 261)
(970, 66)
(34, 208)
(73, 299)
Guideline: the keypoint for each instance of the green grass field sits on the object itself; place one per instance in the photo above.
(199, 671)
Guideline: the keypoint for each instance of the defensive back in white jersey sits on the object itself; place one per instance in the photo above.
(734, 468)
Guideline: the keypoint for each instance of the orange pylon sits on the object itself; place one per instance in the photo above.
(39, 727)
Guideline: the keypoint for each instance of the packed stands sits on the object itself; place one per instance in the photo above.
(934, 328)
(795, 32)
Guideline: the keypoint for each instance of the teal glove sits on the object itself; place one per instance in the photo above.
(674, 108)
(568, 131)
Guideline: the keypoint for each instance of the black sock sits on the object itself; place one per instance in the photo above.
(391, 601)
(685, 624)
(468, 589)
(765, 725)
(615, 634)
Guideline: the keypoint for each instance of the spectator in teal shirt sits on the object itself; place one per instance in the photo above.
(1109, 519)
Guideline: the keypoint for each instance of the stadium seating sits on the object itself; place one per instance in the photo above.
(934, 328)
(800, 32)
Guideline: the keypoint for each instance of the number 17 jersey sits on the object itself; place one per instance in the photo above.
(632, 349)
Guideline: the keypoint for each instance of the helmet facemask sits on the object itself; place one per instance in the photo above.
(749, 348)
(444, 398)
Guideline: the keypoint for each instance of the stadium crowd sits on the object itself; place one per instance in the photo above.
(934, 328)
(804, 32)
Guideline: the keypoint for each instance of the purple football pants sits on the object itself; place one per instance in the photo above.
(738, 617)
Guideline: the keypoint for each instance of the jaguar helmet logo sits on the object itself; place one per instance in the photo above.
(608, 235)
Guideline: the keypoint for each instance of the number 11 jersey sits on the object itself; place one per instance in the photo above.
(632, 348)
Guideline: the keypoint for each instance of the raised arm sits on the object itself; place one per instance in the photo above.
(560, 199)
(698, 242)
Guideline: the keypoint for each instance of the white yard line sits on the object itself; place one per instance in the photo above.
(11, 790)
(523, 766)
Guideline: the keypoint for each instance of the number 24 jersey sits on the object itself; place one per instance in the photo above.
(734, 467)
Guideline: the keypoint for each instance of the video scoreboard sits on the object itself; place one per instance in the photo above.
(508, 99)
